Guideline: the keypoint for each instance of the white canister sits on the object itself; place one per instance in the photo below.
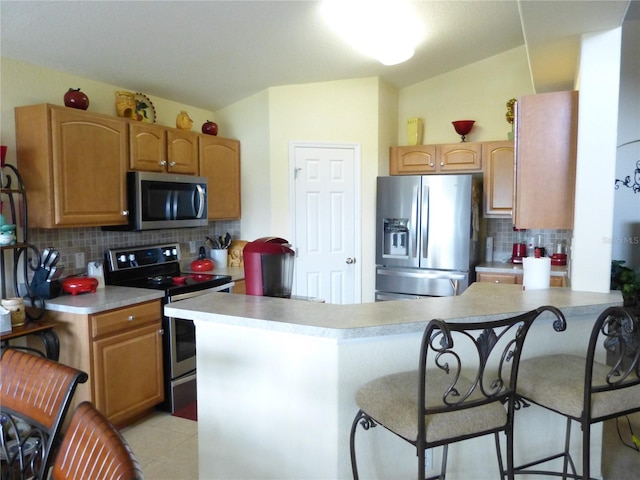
(219, 257)
(5, 320)
(15, 305)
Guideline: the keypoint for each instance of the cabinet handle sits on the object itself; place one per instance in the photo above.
(125, 213)
(442, 164)
(172, 164)
(131, 318)
(163, 163)
(497, 281)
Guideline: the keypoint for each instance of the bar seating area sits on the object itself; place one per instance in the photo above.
(452, 395)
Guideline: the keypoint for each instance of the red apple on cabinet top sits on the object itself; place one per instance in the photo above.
(74, 98)
(210, 128)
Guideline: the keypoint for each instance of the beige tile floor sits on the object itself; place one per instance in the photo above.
(166, 446)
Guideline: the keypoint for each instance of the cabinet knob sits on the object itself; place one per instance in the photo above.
(442, 164)
(163, 163)
(497, 281)
(131, 318)
(161, 331)
(125, 213)
(431, 164)
(172, 164)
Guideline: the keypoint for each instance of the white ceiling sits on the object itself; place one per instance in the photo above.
(211, 54)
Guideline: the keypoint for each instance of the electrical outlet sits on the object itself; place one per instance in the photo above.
(80, 260)
(192, 246)
(428, 459)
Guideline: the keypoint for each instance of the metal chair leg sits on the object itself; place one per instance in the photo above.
(367, 422)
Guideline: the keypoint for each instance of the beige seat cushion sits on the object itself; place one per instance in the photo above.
(392, 401)
(557, 382)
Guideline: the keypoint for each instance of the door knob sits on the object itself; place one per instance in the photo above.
(350, 261)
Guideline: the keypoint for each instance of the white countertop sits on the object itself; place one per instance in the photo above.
(107, 298)
(478, 302)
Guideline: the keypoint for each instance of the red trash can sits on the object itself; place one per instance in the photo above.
(268, 267)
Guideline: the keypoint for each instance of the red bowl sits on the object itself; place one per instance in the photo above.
(76, 285)
(463, 127)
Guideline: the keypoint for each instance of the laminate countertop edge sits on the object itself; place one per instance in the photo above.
(480, 302)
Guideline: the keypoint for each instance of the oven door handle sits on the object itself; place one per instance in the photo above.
(184, 296)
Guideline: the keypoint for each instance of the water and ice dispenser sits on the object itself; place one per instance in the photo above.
(268, 267)
(396, 236)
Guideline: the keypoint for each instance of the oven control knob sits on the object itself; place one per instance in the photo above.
(122, 258)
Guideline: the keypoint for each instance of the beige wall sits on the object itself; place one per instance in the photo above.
(478, 91)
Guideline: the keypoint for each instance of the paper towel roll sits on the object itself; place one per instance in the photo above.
(537, 273)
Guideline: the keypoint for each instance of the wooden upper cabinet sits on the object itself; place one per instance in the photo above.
(459, 157)
(220, 163)
(498, 183)
(154, 148)
(412, 160)
(427, 159)
(73, 164)
(546, 145)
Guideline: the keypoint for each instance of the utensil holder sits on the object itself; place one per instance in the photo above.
(219, 257)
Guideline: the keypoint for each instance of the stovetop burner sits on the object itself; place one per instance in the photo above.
(156, 267)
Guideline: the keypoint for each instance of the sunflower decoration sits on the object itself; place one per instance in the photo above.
(510, 115)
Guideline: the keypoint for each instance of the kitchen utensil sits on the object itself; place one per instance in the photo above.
(45, 257)
(76, 285)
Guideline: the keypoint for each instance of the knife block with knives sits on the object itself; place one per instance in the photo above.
(45, 282)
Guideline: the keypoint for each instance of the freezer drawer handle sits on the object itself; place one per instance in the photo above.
(431, 276)
(350, 261)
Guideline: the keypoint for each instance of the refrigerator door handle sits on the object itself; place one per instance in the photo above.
(415, 215)
(424, 223)
(431, 275)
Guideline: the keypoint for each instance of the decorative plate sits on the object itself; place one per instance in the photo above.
(145, 111)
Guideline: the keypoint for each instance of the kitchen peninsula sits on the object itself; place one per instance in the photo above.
(277, 378)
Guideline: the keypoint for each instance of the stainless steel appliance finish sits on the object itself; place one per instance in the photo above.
(427, 230)
(164, 200)
(158, 267)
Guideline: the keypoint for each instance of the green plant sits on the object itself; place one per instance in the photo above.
(625, 279)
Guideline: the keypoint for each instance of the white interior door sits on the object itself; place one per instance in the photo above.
(326, 221)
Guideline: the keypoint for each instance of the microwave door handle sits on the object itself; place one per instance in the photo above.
(174, 205)
(168, 206)
(199, 200)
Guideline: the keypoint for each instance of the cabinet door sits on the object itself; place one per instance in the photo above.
(89, 155)
(240, 287)
(220, 163)
(412, 160)
(147, 147)
(498, 178)
(459, 157)
(129, 374)
(182, 151)
(546, 144)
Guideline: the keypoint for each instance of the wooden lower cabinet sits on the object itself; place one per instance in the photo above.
(121, 350)
(514, 279)
(240, 287)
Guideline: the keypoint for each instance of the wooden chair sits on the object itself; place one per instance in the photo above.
(464, 388)
(585, 390)
(92, 448)
(35, 394)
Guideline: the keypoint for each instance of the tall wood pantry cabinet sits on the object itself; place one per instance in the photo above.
(73, 164)
(546, 146)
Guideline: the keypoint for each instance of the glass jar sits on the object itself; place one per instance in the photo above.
(15, 305)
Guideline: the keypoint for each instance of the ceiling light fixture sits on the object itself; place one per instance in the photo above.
(387, 30)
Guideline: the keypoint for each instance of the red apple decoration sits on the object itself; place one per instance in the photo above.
(74, 98)
(210, 128)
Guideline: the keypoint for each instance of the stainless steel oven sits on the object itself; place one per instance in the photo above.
(158, 267)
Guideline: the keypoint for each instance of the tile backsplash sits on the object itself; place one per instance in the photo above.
(504, 237)
(92, 242)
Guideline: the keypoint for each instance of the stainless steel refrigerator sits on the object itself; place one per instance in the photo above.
(427, 230)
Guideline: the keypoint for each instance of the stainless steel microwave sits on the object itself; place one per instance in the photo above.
(164, 200)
